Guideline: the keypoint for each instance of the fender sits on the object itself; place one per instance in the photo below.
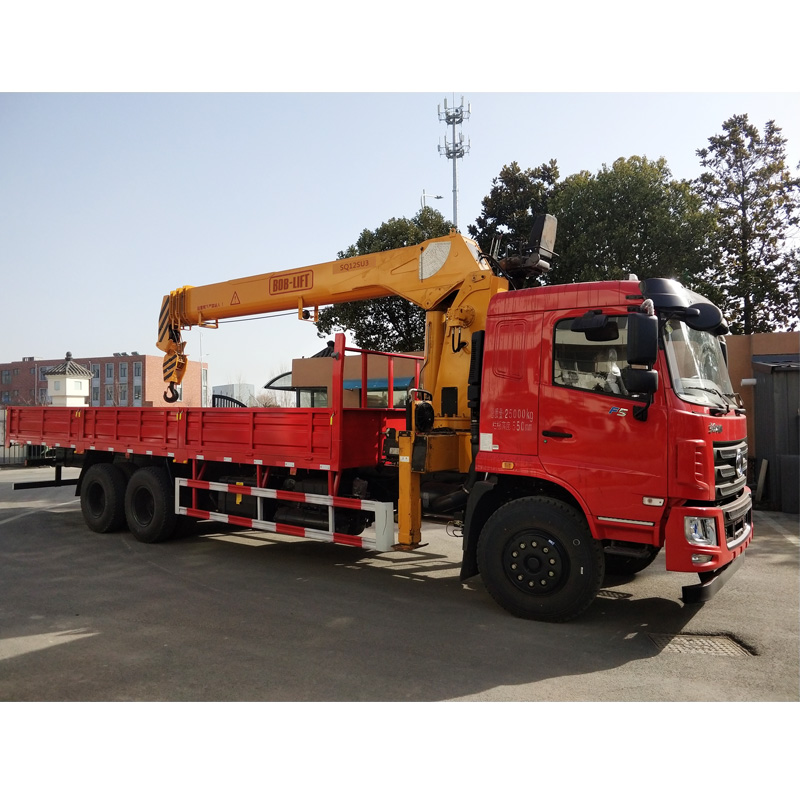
(474, 518)
(478, 511)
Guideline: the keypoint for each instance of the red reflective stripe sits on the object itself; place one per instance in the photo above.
(289, 530)
(296, 497)
(346, 538)
(194, 484)
(234, 489)
(197, 513)
(347, 502)
(245, 522)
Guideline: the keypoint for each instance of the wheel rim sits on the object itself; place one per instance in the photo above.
(534, 563)
(95, 499)
(143, 506)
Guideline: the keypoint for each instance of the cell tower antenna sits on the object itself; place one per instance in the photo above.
(456, 147)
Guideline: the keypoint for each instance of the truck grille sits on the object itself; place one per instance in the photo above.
(730, 469)
(738, 520)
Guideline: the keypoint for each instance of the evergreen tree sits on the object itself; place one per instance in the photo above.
(632, 217)
(755, 198)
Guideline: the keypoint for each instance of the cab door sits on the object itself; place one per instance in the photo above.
(589, 438)
(510, 388)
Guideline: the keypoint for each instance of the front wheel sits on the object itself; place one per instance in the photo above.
(538, 559)
(149, 505)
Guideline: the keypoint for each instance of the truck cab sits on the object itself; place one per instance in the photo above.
(611, 402)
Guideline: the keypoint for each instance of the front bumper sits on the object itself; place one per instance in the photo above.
(711, 582)
(734, 529)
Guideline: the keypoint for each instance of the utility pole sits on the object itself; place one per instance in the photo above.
(455, 148)
(425, 196)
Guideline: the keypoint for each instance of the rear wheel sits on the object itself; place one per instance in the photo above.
(538, 559)
(149, 505)
(127, 468)
(103, 498)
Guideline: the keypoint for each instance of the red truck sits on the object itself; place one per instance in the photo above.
(569, 430)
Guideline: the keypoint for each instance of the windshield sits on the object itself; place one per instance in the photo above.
(698, 370)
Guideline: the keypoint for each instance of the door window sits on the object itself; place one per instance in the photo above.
(592, 366)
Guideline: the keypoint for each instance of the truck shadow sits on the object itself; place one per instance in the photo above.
(406, 619)
(233, 616)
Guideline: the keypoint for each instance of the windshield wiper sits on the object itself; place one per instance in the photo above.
(737, 401)
(715, 411)
(737, 398)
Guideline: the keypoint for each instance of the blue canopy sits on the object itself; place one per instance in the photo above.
(379, 384)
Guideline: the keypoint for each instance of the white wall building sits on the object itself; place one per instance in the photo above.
(68, 383)
(243, 392)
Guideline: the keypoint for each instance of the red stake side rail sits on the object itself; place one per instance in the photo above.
(330, 439)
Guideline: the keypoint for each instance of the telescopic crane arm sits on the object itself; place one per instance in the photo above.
(424, 274)
(447, 276)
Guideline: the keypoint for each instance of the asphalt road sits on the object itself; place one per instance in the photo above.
(239, 616)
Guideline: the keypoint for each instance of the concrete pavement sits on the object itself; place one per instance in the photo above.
(231, 616)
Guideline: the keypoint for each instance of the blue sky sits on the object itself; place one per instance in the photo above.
(109, 201)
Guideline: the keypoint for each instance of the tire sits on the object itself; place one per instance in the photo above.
(538, 560)
(103, 498)
(127, 469)
(149, 505)
(630, 565)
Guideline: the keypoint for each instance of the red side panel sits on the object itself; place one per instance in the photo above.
(302, 437)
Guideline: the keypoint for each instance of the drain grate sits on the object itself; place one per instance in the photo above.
(609, 594)
(687, 644)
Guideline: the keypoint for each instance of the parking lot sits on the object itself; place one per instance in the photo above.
(225, 615)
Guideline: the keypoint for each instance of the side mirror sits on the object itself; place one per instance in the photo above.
(706, 317)
(640, 381)
(642, 339)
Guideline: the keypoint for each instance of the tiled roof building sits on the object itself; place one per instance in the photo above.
(121, 379)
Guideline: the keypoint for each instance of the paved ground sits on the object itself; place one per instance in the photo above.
(237, 616)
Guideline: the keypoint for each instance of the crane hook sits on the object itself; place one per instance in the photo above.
(171, 395)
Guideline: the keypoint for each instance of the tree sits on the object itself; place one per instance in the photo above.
(631, 217)
(387, 323)
(515, 198)
(271, 399)
(755, 198)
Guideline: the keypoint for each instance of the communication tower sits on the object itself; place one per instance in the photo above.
(456, 147)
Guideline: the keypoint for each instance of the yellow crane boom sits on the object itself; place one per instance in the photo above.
(426, 274)
(447, 276)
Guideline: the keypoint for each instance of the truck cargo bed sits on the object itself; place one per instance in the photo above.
(299, 437)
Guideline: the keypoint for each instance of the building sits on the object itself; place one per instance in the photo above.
(68, 384)
(244, 393)
(311, 380)
(121, 379)
(765, 370)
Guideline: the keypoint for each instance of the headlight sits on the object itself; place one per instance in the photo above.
(700, 530)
